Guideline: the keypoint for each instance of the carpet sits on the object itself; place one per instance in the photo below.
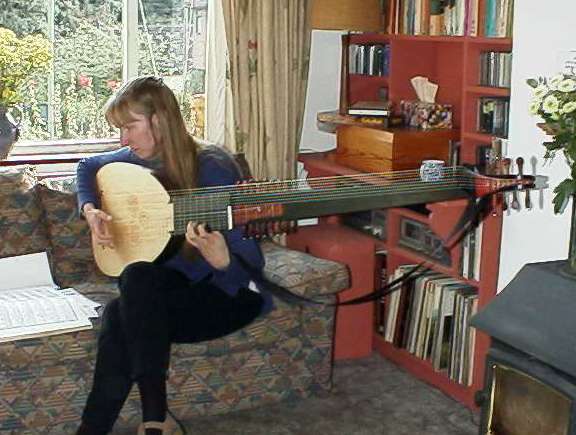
(370, 396)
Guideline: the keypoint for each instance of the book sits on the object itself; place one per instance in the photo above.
(371, 108)
(31, 305)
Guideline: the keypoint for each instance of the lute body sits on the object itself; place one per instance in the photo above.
(145, 216)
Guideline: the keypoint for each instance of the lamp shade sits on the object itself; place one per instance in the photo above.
(360, 15)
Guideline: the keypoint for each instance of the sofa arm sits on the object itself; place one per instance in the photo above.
(302, 273)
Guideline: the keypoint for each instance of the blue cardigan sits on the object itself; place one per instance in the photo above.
(215, 168)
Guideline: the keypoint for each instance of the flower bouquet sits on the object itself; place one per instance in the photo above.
(554, 100)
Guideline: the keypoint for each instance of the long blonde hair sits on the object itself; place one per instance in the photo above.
(149, 96)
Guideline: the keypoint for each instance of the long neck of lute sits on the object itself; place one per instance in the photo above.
(230, 206)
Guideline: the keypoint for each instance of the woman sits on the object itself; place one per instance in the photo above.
(200, 293)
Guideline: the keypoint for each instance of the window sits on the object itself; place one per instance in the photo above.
(99, 43)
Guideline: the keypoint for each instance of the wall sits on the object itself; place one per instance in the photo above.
(323, 89)
(540, 33)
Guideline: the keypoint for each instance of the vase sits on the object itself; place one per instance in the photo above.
(9, 132)
(570, 269)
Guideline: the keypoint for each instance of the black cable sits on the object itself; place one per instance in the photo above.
(178, 422)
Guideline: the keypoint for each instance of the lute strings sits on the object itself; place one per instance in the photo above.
(205, 204)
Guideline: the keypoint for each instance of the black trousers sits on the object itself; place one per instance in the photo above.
(157, 306)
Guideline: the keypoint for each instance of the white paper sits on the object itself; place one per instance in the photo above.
(31, 304)
(302, 175)
(28, 311)
(30, 270)
(87, 306)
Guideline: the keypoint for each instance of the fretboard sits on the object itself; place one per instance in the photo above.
(229, 206)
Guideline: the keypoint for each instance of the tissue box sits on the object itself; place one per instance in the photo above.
(426, 115)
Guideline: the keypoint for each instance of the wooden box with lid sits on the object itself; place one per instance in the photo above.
(375, 150)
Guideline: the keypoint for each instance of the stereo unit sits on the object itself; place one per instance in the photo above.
(372, 222)
(419, 237)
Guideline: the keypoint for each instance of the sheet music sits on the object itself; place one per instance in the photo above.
(30, 270)
(31, 305)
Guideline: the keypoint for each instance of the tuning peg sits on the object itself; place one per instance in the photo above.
(520, 164)
(505, 170)
(515, 204)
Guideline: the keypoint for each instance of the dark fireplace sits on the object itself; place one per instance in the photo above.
(530, 379)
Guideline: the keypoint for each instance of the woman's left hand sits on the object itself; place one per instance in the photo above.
(212, 245)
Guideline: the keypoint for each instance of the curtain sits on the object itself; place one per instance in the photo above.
(268, 54)
(217, 87)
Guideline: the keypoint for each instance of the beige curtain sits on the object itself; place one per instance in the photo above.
(268, 48)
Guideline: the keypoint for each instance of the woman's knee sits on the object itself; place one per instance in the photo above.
(137, 277)
(138, 270)
(111, 329)
(111, 314)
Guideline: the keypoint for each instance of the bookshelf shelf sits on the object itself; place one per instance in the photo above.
(366, 77)
(406, 255)
(478, 137)
(455, 63)
(505, 43)
(488, 91)
(427, 38)
(424, 370)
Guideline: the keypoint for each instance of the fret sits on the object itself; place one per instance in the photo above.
(227, 206)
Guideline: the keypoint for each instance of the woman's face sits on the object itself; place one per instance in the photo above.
(137, 134)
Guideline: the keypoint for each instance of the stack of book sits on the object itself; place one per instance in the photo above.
(429, 317)
(449, 17)
(471, 253)
(493, 115)
(377, 112)
(495, 69)
(369, 59)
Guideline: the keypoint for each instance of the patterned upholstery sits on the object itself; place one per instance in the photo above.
(22, 229)
(44, 381)
(69, 236)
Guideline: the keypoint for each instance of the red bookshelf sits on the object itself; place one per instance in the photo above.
(423, 370)
(453, 62)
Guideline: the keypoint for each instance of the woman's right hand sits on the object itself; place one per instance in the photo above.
(98, 223)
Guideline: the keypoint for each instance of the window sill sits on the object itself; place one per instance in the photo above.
(57, 157)
(57, 151)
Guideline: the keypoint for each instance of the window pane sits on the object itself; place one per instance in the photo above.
(172, 43)
(25, 17)
(87, 65)
(87, 44)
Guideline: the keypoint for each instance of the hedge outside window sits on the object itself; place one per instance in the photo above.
(162, 37)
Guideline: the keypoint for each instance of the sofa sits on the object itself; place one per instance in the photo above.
(44, 381)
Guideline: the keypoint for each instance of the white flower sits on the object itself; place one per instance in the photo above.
(569, 107)
(534, 106)
(567, 85)
(540, 91)
(550, 104)
(555, 81)
(555, 116)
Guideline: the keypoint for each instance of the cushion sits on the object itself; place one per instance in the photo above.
(70, 250)
(22, 229)
(302, 273)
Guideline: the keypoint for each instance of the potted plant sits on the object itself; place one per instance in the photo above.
(554, 101)
(20, 59)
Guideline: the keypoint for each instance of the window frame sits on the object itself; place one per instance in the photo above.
(72, 150)
(56, 151)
